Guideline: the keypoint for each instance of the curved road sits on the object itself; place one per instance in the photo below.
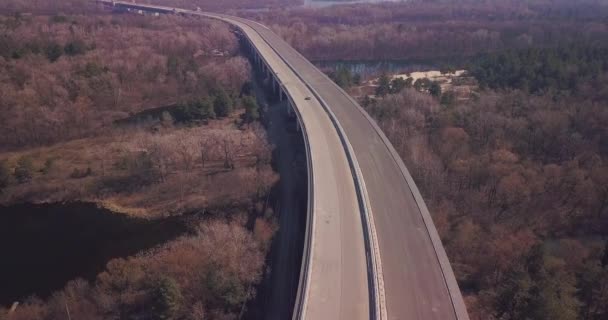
(356, 173)
(418, 280)
(337, 270)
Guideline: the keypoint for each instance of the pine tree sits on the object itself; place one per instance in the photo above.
(251, 109)
(222, 104)
(384, 85)
(166, 299)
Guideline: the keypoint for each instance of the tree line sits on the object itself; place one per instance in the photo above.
(538, 70)
(418, 29)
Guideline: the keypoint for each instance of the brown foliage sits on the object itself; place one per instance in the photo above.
(502, 174)
(77, 95)
(434, 29)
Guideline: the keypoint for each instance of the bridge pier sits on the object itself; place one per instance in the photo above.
(289, 109)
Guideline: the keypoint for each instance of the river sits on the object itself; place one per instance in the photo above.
(325, 3)
(44, 246)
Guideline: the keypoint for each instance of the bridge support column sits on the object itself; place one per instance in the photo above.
(289, 109)
(249, 46)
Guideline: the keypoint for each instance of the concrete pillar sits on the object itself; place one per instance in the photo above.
(289, 109)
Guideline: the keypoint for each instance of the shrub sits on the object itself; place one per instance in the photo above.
(53, 52)
(77, 174)
(24, 170)
(194, 110)
(222, 104)
(75, 47)
(93, 69)
(59, 19)
(48, 165)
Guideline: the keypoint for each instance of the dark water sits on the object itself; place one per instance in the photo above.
(325, 3)
(44, 246)
(372, 68)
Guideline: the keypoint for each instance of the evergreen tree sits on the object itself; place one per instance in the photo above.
(222, 105)
(342, 77)
(251, 109)
(384, 85)
(54, 52)
(435, 89)
(166, 299)
(75, 47)
(397, 85)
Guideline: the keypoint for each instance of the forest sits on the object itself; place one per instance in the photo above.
(517, 188)
(450, 31)
(66, 77)
(148, 117)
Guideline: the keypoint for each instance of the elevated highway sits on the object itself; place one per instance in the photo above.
(371, 249)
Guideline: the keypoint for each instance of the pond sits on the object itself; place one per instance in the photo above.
(44, 246)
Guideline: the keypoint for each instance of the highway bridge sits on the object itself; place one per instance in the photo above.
(371, 249)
